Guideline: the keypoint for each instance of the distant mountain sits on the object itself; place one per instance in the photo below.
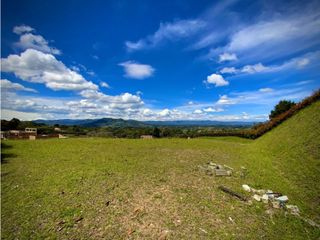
(112, 122)
(206, 123)
(102, 122)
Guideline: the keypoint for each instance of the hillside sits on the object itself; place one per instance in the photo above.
(293, 149)
(99, 188)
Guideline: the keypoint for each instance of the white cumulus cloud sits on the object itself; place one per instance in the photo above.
(22, 29)
(38, 67)
(137, 70)
(31, 41)
(217, 80)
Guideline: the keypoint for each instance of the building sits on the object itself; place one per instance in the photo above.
(31, 131)
(15, 133)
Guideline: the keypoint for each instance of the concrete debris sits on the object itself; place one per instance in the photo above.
(282, 199)
(276, 200)
(212, 168)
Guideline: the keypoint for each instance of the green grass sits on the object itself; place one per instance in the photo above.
(95, 188)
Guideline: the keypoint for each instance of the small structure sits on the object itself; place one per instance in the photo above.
(2, 135)
(32, 137)
(31, 131)
(61, 136)
(56, 129)
(15, 133)
(146, 136)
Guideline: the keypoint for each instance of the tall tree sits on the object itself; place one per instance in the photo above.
(281, 107)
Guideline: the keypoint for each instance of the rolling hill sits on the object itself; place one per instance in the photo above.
(118, 122)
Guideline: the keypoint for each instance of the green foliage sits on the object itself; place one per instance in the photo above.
(156, 132)
(281, 107)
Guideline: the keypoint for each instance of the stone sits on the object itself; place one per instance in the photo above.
(293, 209)
(261, 191)
(265, 198)
(257, 197)
(246, 188)
(221, 172)
(275, 204)
(282, 199)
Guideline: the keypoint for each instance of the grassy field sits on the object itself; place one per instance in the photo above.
(98, 188)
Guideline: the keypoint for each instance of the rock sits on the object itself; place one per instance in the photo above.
(221, 172)
(254, 190)
(246, 188)
(275, 204)
(261, 191)
(265, 198)
(293, 209)
(282, 199)
(257, 197)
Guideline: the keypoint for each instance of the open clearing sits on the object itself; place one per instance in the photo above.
(94, 188)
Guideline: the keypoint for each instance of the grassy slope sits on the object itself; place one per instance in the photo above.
(142, 188)
(293, 148)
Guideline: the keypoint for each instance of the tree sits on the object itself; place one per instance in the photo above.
(14, 124)
(156, 132)
(281, 107)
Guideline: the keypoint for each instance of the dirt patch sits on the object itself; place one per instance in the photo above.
(151, 213)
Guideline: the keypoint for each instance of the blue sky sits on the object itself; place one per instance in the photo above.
(157, 60)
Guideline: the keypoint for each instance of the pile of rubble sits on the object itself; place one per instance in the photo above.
(215, 169)
(276, 200)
